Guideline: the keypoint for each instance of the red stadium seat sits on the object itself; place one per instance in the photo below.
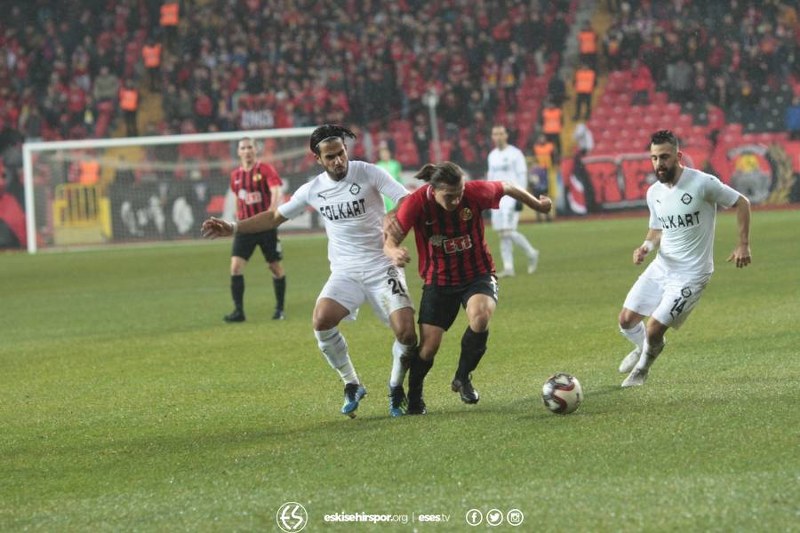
(407, 154)
(619, 81)
(672, 110)
(445, 148)
(659, 98)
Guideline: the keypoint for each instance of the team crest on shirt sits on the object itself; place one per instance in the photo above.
(466, 214)
(257, 177)
(686, 198)
(355, 189)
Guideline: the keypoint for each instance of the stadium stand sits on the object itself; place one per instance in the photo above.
(374, 64)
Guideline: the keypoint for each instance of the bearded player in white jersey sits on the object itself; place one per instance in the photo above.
(348, 198)
(683, 205)
(507, 163)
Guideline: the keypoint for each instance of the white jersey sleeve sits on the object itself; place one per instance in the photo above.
(297, 204)
(654, 223)
(387, 185)
(719, 193)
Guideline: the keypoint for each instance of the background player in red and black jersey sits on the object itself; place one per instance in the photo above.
(455, 264)
(257, 188)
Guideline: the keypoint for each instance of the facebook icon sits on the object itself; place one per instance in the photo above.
(474, 517)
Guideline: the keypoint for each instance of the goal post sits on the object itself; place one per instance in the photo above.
(146, 189)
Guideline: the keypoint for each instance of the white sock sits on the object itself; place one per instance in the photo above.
(398, 374)
(507, 253)
(334, 348)
(649, 354)
(520, 240)
(635, 334)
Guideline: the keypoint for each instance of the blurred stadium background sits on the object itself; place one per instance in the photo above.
(427, 79)
(129, 405)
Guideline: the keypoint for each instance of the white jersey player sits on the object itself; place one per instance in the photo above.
(507, 163)
(683, 206)
(348, 198)
(351, 210)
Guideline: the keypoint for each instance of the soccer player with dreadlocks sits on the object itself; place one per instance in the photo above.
(348, 197)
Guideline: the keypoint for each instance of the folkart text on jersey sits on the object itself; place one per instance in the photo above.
(341, 210)
(680, 221)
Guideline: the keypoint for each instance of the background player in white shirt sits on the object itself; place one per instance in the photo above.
(683, 206)
(507, 163)
(348, 198)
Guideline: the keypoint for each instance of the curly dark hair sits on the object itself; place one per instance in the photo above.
(326, 132)
(664, 136)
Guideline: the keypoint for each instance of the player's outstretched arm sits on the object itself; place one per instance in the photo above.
(266, 220)
(543, 204)
(741, 254)
(216, 227)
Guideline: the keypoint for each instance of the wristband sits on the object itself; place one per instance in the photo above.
(648, 245)
(234, 227)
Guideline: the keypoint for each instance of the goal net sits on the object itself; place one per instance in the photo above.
(145, 189)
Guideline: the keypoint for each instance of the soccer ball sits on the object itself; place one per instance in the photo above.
(562, 393)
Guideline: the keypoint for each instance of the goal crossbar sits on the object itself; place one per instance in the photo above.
(30, 149)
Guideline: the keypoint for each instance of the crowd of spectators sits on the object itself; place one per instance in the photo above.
(739, 56)
(287, 63)
(61, 63)
(271, 63)
(292, 63)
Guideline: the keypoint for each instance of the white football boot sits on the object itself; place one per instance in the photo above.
(630, 361)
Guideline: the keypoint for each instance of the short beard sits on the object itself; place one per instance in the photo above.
(336, 177)
(669, 175)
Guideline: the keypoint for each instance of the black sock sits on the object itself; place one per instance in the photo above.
(237, 291)
(280, 291)
(473, 346)
(418, 369)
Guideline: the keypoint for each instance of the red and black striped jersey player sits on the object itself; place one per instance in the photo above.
(455, 265)
(257, 187)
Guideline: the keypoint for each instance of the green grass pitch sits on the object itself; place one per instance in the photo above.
(128, 405)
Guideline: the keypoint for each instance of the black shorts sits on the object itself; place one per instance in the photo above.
(440, 305)
(245, 244)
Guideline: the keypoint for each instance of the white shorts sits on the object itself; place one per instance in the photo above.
(505, 218)
(668, 298)
(384, 288)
